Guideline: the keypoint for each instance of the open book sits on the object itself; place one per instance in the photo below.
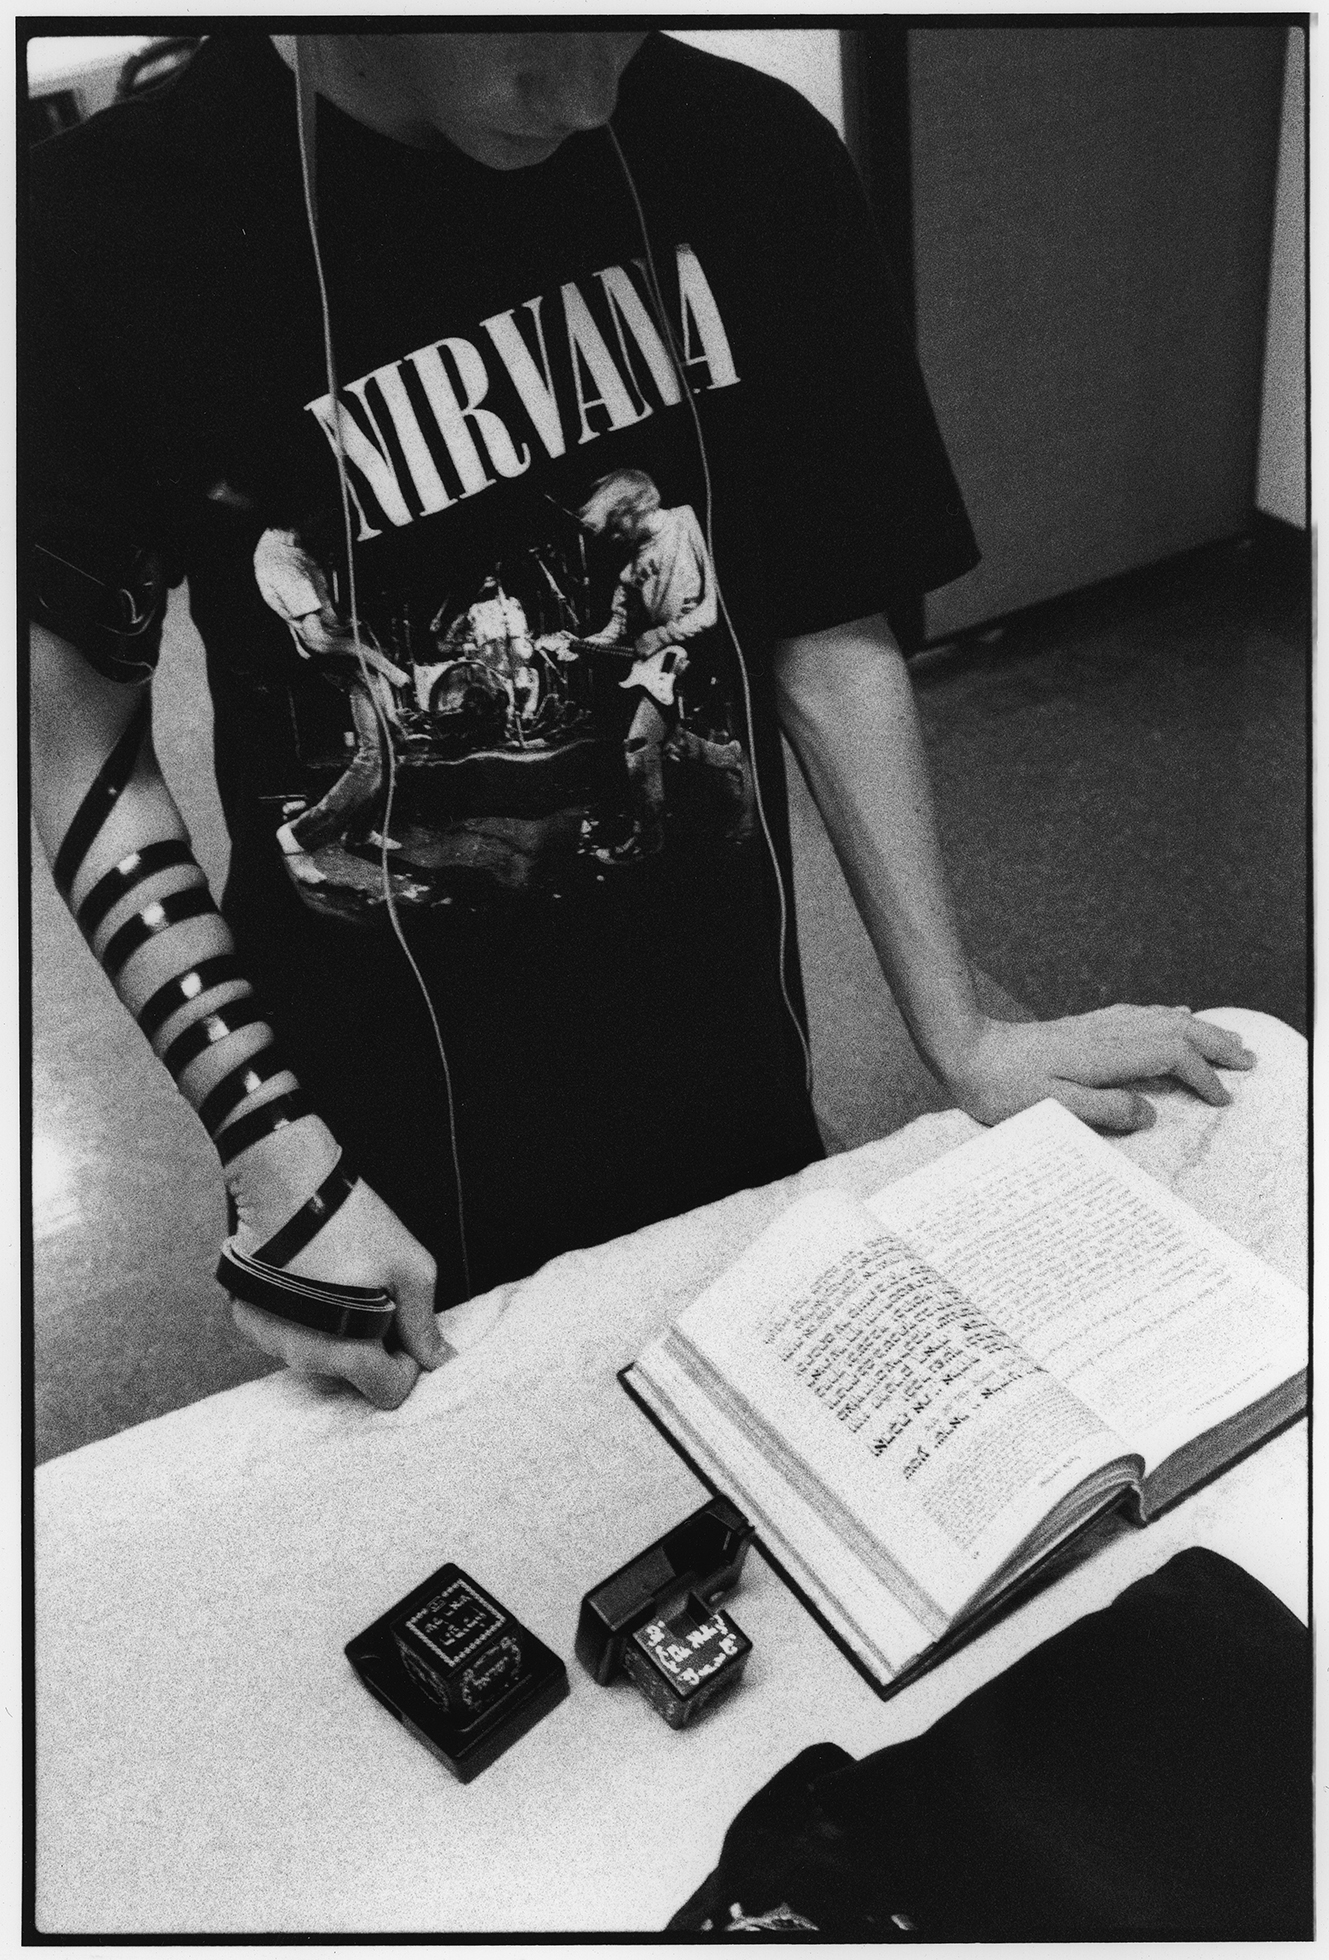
(917, 1399)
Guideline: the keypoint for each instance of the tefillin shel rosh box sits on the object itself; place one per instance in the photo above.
(657, 1618)
(458, 1671)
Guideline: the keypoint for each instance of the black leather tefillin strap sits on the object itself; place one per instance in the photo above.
(175, 994)
(312, 1216)
(349, 1313)
(101, 799)
(193, 901)
(125, 878)
(242, 1081)
(204, 1033)
(352, 1311)
(261, 1122)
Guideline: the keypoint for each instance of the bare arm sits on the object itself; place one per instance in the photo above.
(78, 720)
(846, 704)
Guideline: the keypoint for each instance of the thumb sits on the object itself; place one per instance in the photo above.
(382, 1378)
(412, 1286)
(1118, 1110)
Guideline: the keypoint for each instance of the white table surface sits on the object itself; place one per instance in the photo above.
(207, 1762)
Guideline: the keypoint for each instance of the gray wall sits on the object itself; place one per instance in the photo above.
(1282, 485)
(1092, 214)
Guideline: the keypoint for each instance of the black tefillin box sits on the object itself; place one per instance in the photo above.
(657, 1620)
(467, 1680)
(458, 1671)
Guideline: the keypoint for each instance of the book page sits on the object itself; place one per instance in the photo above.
(883, 1633)
(923, 1433)
(1160, 1323)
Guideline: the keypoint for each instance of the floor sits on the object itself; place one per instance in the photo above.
(1121, 781)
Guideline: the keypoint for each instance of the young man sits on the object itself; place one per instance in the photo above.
(294, 586)
(546, 258)
(665, 600)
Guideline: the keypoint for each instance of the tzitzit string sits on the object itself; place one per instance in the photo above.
(676, 359)
(306, 108)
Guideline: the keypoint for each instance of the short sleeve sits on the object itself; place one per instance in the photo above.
(864, 509)
(97, 557)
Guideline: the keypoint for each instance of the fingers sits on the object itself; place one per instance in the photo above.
(370, 1246)
(1117, 1110)
(415, 1324)
(1092, 1062)
(1214, 1042)
(1157, 1041)
(382, 1378)
(1219, 1045)
(1123, 1044)
(362, 1244)
(1190, 1067)
(1197, 1044)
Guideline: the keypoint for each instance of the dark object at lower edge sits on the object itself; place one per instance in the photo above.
(1145, 1774)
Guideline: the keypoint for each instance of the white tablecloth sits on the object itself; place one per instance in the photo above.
(207, 1762)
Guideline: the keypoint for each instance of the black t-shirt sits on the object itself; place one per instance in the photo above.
(568, 597)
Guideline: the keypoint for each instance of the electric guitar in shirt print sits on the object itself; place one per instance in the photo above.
(658, 673)
(512, 768)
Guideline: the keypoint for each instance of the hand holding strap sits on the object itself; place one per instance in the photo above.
(354, 1313)
(350, 1312)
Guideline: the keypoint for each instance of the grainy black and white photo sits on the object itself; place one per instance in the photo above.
(668, 757)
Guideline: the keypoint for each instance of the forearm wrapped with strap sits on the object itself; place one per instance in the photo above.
(206, 1009)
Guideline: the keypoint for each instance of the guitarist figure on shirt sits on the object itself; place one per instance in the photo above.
(665, 599)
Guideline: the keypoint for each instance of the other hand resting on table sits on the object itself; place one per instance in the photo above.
(1082, 1059)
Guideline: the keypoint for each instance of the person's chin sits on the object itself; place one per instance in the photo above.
(504, 151)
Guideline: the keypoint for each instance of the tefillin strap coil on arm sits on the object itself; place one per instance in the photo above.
(258, 1277)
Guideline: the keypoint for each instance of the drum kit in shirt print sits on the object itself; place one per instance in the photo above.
(541, 738)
